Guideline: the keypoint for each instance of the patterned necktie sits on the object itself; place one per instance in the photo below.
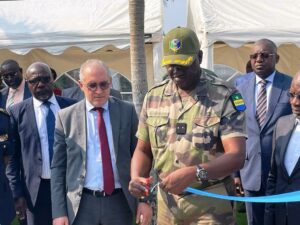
(50, 121)
(10, 100)
(108, 176)
(261, 107)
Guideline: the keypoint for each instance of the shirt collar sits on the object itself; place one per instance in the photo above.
(90, 107)
(270, 78)
(38, 103)
(297, 122)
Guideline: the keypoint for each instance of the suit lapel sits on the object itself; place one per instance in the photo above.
(27, 93)
(289, 126)
(62, 104)
(274, 96)
(31, 121)
(115, 120)
(80, 118)
(4, 95)
(297, 166)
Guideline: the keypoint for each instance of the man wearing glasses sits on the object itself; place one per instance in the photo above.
(17, 89)
(94, 143)
(33, 122)
(284, 175)
(265, 93)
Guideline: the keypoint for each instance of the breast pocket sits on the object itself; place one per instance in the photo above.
(158, 129)
(205, 132)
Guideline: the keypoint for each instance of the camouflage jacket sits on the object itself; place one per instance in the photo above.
(209, 115)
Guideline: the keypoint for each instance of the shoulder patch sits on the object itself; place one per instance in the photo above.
(238, 102)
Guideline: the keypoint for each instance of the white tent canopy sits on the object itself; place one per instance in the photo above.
(242, 21)
(53, 26)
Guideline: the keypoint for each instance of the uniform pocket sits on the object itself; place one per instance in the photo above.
(205, 132)
(158, 128)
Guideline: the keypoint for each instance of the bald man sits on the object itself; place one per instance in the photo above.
(265, 93)
(33, 122)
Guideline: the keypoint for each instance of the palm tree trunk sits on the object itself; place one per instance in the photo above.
(137, 52)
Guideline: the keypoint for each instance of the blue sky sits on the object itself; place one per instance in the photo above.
(175, 14)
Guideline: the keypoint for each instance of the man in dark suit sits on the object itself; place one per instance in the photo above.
(7, 210)
(284, 175)
(17, 89)
(33, 122)
(76, 93)
(265, 93)
(94, 143)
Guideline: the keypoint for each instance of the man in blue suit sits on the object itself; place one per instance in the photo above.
(261, 118)
(17, 88)
(33, 122)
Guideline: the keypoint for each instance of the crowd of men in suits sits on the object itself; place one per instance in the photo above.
(52, 147)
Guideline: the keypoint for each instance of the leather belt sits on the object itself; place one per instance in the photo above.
(100, 194)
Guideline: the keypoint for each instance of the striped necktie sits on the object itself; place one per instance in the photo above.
(10, 100)
(261, 107)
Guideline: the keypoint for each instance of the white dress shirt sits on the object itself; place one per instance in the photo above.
(94, 171)
(41, 112)
(292, 153)
(268, 88)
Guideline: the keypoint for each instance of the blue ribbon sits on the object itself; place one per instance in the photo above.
(286, 197)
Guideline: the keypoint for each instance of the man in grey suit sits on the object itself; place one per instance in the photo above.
(265, 93)
(285, 168)
(94, 143)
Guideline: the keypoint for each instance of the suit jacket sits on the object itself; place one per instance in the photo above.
(279, 180)
(7, 209)
(27, 157)
(4, 95)
(68, 166)
(259, 143)
(76, 93)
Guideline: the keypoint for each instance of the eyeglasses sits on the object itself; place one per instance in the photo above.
(102, 85)
(43, 79)
(9, 75)
(262, 55)
(293, 95)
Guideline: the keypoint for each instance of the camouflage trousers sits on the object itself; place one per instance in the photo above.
(193, 209)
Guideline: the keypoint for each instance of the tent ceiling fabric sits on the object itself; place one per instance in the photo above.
(55, 25)
(240, 21)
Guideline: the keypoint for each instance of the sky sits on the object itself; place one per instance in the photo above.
(175, 14)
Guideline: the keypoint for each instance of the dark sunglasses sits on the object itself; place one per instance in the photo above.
(102, 85)
(43, 79)
(293, 95)
(9, 75)
(262, 55)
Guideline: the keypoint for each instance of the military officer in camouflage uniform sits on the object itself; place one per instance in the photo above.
(192, 129)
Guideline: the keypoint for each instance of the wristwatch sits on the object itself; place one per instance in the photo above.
(201, 174)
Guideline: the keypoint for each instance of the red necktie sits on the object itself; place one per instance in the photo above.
(108, 176)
